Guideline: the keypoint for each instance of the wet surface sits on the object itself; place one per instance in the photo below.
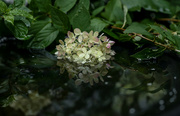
(33, 84)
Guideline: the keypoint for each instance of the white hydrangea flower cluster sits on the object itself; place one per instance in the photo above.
(85, 48)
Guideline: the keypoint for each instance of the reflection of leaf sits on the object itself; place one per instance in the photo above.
(41, 62)
(8, 101)
(4, 86)
(160, 87)
(143, 85)
(148, 53)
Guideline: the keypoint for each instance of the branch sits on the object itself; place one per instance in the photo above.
(169, 19)
(156, 43)
(160, 44)
(118, 28)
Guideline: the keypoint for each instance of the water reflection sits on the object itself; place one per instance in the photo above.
(84, 73)
(140, 91)
(33, 86)
(31, 104)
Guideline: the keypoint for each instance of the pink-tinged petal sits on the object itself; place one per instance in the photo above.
(77, 31)
(96, 40)
(96, 33)
(108, 66)
(104, 38)
(108, 45)
(111, 42)
(70, 34)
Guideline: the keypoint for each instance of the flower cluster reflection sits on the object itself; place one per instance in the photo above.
(84, 55)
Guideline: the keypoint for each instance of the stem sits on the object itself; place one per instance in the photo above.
(156, 43)
(153, 41)
(118, 28)
(169, 19)
(177, 50)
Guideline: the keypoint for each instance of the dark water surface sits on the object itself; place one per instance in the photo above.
(31, 85)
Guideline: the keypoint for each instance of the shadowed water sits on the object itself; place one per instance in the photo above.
(32, 84)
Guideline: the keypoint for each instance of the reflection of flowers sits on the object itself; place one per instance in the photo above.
(84, 73)
(85, 48)
(30, 105)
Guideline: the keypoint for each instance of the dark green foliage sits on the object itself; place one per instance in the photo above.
(145, 23)
(60, 20)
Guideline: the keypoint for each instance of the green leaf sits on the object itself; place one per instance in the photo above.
(80, 17)
(60, 19)
(150, 6)
(85, 3)
(163, 6)
(38, 26)
(164, 33)
(65, 5)
(43, 5)
(98, 10)
(97, 24)
(19, 3)
(3, 7)
(110, 33)
(133, 5)
(44, 38)
(19, 30)
(9, 18)
(20, 13)
(124, 37)
(148, 53)
(113, 11)
(26, 21)
(177, 41)
(137, 28)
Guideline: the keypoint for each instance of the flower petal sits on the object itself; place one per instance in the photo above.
(77, 31)
(80, 39)
(70, 34)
